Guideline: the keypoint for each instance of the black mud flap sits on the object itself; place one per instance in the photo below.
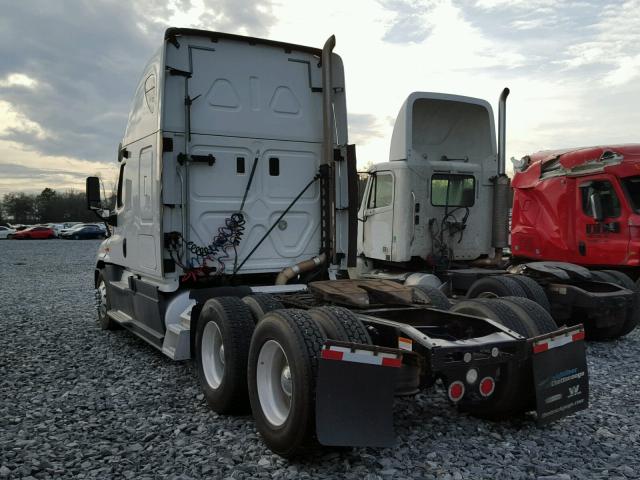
(560, 374)
(354, 395)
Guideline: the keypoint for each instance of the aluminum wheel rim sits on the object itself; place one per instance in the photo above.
(212, 358)
(274, 383)
(102, 300)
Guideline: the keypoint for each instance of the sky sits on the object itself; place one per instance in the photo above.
(69, 68)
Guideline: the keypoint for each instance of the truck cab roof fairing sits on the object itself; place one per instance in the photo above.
(437, 124)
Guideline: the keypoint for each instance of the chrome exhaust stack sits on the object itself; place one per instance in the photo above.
(326, 164)
(327, 101)
(502, 131)
(501, 186)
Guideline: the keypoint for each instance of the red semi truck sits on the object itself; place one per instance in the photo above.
(580, 205)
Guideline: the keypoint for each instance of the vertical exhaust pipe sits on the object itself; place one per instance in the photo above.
(501, 185)
(326, 163)
(502, 131)
(327, 101)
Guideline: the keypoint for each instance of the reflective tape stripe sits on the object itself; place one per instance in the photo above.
(361, 356)
(331, 355)
(549, 343)
(405, 344)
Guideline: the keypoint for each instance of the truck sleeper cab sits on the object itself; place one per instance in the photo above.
(232, 235)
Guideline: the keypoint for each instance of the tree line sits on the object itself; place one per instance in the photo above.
(49, 206)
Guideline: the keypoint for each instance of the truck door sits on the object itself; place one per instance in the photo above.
(604, 242)
(377, 218)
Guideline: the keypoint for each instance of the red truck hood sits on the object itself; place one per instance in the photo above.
(625, 159)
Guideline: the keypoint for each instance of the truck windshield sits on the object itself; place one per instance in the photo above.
(632, 189)
(452, 190)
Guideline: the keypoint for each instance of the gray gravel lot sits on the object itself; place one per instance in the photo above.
(77, 402)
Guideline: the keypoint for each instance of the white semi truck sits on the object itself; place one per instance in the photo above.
(437, 214)
(234, 230)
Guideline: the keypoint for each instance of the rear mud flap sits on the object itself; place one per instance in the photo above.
(354, 395)
(560, 374)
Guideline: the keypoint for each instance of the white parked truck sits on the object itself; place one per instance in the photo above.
(436, 214)
(235, 226)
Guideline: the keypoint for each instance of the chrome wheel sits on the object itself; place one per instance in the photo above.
(212, 355)
(274, 383)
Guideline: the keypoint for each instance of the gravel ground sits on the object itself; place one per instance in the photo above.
(77, 402)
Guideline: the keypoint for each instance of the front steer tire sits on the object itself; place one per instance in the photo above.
(222, 373)
(104, 305)
(288, 431)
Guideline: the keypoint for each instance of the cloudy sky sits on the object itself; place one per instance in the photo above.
(68, 69)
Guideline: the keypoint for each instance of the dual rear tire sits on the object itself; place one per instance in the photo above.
(253, 353)
(513, 393)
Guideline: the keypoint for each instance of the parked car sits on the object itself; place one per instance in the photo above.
(37, 232)
(84, 232)
(57, 227)
(6, 232)
(77, 226)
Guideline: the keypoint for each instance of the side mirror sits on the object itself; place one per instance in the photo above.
(93, 193)
(595, 204)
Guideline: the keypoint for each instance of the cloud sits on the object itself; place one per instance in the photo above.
(68, 83)
(411, 20)
(24, 170)
(364, 127)
(615, 34)
(18, 80)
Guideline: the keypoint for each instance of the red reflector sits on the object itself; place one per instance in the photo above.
(540, 347)
(487, 386)
(577, 336)
(456, 391)
(331, 354)
(391, 362)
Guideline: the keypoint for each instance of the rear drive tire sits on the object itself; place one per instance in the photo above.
(533, 313)
(104, 305)
(425, 294)
(261, 304)
(497, 311)
(533, 290)
(495, 286)
(634, 317)
(604, 333)
(339, 323)
(512, 394)
(223, 336)
(282, 373)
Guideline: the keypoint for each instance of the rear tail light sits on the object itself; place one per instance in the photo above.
(456, 391)
(487, 386)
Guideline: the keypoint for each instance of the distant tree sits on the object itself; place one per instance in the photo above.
(48, 206)
(20, 207)
(2, 220)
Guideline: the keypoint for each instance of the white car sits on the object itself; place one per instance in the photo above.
(6, 232)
